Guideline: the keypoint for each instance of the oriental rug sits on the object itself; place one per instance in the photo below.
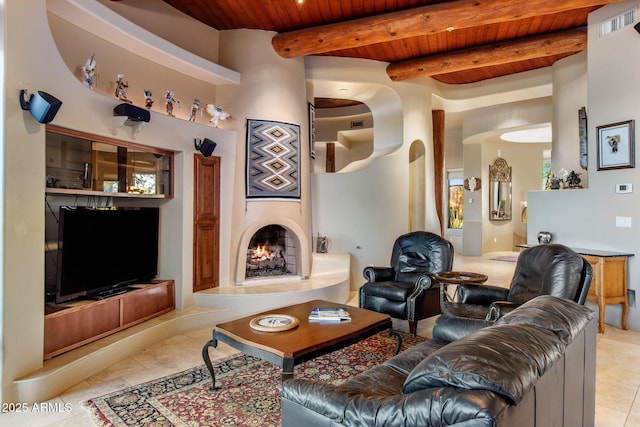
(273, 160)
(248, 391)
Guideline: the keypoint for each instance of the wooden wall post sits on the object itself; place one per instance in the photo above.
(438, 162)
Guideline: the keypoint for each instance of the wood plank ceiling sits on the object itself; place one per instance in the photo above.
(454, 42)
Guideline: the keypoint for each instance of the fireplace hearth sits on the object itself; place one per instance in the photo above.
(271, 252)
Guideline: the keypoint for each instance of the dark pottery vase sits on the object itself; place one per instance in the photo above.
(544, 237)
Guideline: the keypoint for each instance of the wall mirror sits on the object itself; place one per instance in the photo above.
(499, 190)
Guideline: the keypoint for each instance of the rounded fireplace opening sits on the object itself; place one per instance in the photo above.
(271, 253)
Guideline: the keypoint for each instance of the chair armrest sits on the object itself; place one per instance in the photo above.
(498, 309)
(421, 281)
(379, 274)
(481, 294)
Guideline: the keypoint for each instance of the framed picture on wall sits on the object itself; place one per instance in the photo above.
(616, 145)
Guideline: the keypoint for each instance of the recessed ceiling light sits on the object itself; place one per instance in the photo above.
(534, 135)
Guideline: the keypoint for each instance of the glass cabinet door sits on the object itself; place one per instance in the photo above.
(83, 162)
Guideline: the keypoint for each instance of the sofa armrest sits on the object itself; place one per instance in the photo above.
(481, 294)
(379, 274)
(497, 309)
(451, 329)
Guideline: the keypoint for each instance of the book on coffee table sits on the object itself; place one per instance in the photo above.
(329, 315)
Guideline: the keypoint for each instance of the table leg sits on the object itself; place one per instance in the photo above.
(287, 368)
(207, 360)
(625, 310)
(399, 337)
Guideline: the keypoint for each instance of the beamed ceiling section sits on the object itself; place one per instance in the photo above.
(454, 42)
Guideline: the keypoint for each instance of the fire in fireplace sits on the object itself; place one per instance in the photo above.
(271, 252)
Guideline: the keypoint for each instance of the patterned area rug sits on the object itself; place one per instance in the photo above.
(248, 393)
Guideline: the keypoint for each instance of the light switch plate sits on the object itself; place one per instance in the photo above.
(624, 188)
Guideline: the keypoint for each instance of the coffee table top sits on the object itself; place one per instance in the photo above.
(307, 337)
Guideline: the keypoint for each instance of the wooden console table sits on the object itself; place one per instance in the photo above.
(610, 281)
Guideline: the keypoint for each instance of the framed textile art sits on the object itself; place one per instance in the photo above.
(273, 160)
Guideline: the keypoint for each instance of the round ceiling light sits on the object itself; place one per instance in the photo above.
(533, 135)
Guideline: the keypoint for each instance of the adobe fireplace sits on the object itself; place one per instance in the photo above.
(271, 252)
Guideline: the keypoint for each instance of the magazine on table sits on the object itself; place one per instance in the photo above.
(329, 315)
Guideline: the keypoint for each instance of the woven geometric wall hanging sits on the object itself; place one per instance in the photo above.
(273, 160)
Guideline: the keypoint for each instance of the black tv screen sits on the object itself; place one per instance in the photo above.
(103, 249)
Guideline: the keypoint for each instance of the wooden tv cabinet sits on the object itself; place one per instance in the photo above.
(68, 326)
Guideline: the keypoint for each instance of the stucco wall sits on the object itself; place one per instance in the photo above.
(586, 218)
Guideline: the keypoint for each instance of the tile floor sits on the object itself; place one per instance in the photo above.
(618, 370)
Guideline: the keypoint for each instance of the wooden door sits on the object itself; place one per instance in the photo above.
(206, 222)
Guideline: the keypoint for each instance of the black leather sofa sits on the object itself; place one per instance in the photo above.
(534, 367)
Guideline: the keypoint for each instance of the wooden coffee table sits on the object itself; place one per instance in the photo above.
(306, 341)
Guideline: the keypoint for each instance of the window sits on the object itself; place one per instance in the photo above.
(456, 199)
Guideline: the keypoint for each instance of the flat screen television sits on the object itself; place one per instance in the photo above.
(104, 250)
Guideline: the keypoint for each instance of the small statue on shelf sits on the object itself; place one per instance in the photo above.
(194, 110)
(169, 100)
(148, 101)
(121, 89)
(89, 71)
(573, 180)
(216, 114)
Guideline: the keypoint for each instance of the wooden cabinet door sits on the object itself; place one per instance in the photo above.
(206, 222)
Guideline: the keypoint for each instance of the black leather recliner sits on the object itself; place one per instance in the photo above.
(408, 289)
(551, 269)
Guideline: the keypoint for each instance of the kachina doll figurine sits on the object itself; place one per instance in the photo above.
(121, 89)
(194, 110)
(89, 71)
(216, 114)
(169, 100)
(148, 101)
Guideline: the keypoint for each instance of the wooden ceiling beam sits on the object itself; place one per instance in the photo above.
(562, 42)
(420, 21)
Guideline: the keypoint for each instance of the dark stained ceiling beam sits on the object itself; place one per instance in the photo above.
(563, 42)
(420, 21)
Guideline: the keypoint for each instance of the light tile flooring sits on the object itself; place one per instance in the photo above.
(618, 367)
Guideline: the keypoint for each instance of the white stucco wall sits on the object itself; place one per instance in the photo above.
(586, 218)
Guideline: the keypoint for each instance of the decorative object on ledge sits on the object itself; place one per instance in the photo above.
(121, 89)
(616, 145)
(582, 132)
(130, 115)
(216, 114)
(273, 160)
(169, 101)
(472, 184)
(544, 237)
(89, 72)
(499, 190)
(573, 180)
(205, 146)
(42, 106)
(148, 100)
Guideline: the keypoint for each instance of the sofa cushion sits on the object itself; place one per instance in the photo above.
(405, 361)
(560, 316)
(505, 359)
